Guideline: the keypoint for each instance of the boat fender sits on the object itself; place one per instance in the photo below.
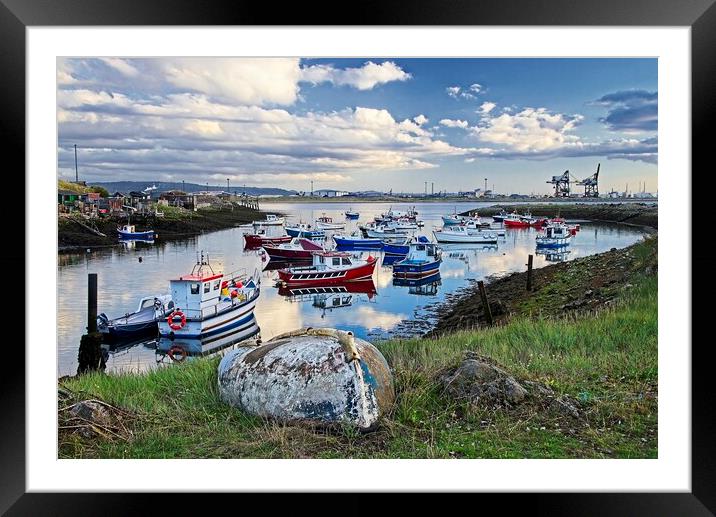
(177, 353)
(176, 325)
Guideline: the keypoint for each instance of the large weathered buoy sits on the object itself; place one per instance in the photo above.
(319, 376)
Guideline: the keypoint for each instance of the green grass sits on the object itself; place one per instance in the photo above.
(607, 361)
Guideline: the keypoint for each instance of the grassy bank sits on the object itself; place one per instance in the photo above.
(176, 224)
(603, 359)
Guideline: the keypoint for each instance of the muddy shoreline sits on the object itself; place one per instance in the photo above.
(73, 237)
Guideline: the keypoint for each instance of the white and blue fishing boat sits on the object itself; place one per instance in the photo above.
(500, 216)
(400, 250)
(357, 241)
(554, 235)
(211, 305)
(306, 231)
(423, 260)
(352, 214)
(128, 231)
(452, 219)
(142, 323)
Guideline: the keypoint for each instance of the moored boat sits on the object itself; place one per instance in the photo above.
(326, 223)
(463, 234)
(351, 214)
(128, 231)
(423, 260)
(329, 267)
(211, 305)
(298, 249)
(257, 240)
(271, 220)
(515, 220)
(357, 241)
(305, 230)
(500, 216)
(554, 235)
(138, 324)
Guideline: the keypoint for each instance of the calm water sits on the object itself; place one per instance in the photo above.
(376, 311)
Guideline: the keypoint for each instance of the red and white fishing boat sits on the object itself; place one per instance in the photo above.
(298, 249)
(515, 220)
(257, 240)
(329, 267)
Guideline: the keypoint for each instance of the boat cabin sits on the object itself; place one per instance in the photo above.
(557, 231)
(423, 252)
(128, 228)
(324, 219)
(331, 259)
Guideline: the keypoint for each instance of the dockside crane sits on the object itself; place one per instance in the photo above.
(591, 184)
(561, 184)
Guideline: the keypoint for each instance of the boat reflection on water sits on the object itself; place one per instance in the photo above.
(178, 350)
(133, 244)
(330, 297)
(427, 286)
(459, 249)
(553, 254)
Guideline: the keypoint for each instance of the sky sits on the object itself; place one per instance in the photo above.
(360, 124)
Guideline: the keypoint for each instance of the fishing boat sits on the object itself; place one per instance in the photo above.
(473, 226)
(463, 234)
(476, 221)
(326, 223)
(500, 216)
(259, 239)
(138, 324)
(515, 220)
(401, 249)
(452, 219)
(351, 214)
(128, 231)
(384, 231)
(329, 267)
(211, 305)
(298, 249)
(305, 230)
(423, 260)
(357, 241)
(554, 235)
(271, 220)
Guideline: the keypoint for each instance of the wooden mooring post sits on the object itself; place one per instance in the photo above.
(90, 357)
(529, 272)
(485, 303)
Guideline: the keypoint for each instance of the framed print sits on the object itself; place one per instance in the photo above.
(421, 257)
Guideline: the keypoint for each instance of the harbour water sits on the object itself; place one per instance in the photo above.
(380, 310)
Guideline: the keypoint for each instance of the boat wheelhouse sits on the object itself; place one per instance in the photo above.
(423, 260)
(212, 305)
(260, 238)
(329, 267)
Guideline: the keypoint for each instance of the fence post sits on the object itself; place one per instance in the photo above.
(529, 272)
(485, 303)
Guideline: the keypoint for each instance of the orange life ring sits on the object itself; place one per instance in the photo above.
(176, 314)
(177, 350)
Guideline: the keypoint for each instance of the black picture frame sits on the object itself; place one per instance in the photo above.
(700, 15)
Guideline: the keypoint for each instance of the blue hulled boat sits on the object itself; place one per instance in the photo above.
(357, 241)
(423, 260)
(306, 231)
(351, 214)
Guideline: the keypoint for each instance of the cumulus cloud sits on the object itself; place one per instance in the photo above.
(529, 130)
(454, 123)
(183, 135)
(486, 107)
(630, 110)
(364, 78)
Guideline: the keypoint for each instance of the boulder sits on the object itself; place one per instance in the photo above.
(480, 381)
(320, 376)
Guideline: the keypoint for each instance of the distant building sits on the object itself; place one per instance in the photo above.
(330, 193)
(367, 193)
